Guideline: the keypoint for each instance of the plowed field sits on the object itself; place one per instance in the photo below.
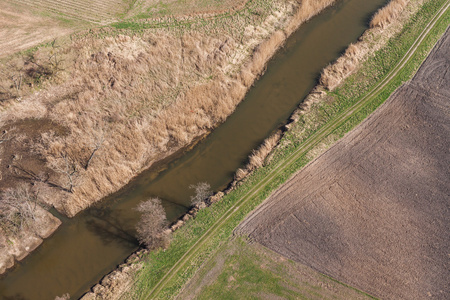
(373, 211)
(26, 23)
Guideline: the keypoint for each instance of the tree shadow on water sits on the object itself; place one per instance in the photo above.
(111, 233)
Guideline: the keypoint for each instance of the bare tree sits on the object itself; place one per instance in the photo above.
(55, 59)
(18, 208)
(68, 168)
(202, 192)
(152, 224)
(98, 142)
(17, 80)
(12, 78)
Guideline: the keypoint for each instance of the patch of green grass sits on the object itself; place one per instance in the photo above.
(254, 11)
(250, 271)
(160, 262)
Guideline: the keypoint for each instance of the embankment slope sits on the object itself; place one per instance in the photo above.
(373, 211)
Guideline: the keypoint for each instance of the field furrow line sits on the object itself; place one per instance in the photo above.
(90, 6)
(90, 13)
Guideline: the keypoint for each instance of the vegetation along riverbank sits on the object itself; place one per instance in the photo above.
(82, 115)
(313, 130)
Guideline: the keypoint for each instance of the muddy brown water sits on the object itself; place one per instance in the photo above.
(93, 243)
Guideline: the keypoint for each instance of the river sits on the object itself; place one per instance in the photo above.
(93, 243)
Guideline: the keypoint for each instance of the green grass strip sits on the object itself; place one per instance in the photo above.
(165, 272)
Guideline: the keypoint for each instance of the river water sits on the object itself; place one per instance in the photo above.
(93, 243)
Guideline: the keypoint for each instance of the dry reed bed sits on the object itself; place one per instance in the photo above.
(389, 20)
(334, 74)
(134, 99)
(387, 14)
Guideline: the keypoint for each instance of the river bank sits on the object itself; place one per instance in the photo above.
(77, 150)
(170, 284)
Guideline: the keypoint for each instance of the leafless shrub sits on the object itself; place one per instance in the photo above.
(152, 224)
(69, 169)
(202, 192)
(55, 59)
(11, 79)
(98, 141)
(385, 15)
(18, 207)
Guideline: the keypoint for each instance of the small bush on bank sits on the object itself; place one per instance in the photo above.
(150, 229)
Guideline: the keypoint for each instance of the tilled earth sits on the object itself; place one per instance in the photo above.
(373, 211)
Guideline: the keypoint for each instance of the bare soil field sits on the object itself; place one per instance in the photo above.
(96, 11)
(22, 27)
(27, 23)
(373, 211)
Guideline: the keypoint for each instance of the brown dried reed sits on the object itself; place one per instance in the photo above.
(385, 15)
(336, 72)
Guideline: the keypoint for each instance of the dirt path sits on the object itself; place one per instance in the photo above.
(373, 210)
(308, 144)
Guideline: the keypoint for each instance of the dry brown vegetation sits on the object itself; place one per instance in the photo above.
(308, 8)
(125, 101)
(385, 15)
(24, 222)
(345, 65)
(389, 20)
(258, 156)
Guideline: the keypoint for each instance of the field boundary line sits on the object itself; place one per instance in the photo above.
(308, 144)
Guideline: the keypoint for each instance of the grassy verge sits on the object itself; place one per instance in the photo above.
(251, 9)
(349, 105)
(242, 270)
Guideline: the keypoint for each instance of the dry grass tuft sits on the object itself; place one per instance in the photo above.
(345, 65)
(266, 50)
(385, 15)
(258, 156)
(306, 10)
